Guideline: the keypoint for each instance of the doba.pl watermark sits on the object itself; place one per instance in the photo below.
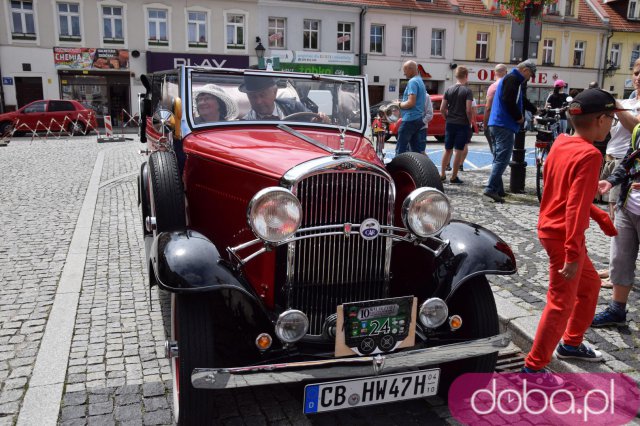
(577, 398)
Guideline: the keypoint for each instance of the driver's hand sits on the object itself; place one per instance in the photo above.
(322, 118)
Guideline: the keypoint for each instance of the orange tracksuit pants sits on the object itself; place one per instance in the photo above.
(570, 307)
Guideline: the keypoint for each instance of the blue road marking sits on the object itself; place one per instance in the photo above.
(476, 158)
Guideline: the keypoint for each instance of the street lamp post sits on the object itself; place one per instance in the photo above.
(260, 53)
(518, 165)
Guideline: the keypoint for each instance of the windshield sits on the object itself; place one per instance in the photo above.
(218, 99)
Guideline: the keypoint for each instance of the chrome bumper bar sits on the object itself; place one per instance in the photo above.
(238, 377)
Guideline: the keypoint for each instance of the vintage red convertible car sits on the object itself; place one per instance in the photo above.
(292, 253)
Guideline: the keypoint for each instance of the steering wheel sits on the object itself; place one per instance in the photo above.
(304, 115)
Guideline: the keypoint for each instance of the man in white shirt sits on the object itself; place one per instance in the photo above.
(426, 118)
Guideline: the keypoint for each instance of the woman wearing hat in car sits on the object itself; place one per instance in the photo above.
(557, 99)
(213, 104)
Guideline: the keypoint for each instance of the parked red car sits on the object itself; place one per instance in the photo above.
(54, 115)
(436, 125)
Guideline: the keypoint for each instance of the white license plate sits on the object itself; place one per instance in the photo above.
(370, 391)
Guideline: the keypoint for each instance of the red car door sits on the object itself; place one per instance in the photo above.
(31, 116)
(61, 115)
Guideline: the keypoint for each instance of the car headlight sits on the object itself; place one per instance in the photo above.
(274, 214)
(433, 312)
(291, 326)
(426, 211)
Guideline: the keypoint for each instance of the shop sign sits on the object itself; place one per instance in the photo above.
(321, 68)
(304, 57)
(89, 58)
(160, 61)
(488, 75)
(7, 81)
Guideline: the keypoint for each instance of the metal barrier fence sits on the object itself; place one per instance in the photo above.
(67, 127)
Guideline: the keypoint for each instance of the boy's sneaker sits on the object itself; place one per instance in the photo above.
(609, 317)
(544, 378)
(448, 168)
(582, 352)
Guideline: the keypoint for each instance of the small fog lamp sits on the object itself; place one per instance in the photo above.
(291, 326)
(433, 312)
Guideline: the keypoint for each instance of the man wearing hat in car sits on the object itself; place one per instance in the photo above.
(262, 92)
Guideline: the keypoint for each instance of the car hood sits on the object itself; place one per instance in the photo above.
(272, 151)
(8, 116)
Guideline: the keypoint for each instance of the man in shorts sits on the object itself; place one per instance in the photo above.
(457, 110)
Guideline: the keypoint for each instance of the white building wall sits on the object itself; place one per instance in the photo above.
(388, 66)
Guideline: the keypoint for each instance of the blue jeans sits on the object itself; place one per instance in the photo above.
(408, 135)
(503, 140)
(422, 142)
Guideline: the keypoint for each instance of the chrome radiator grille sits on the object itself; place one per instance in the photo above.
(327, 271)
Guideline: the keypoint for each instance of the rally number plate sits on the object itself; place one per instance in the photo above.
(370, 391)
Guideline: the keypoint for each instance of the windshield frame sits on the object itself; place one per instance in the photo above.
(192, 72)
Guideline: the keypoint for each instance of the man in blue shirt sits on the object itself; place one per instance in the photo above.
(505, 121)
(412, 108)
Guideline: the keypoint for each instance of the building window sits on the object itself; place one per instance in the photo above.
(614, 57)
(69, 20)
(578, 54)
(408, 40)
(482, 46)
(22, 22)
(197, 29)
(376, 39)
(552, 9)
(437, 43)
(568, 8)
(548, 51)
(345, 30)
(158, 24)
(235, 31)
(635, 54)
(277, 31)
(311, 34)
(112, 24)
(633, 9)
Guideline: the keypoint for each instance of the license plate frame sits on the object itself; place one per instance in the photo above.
(352, 393)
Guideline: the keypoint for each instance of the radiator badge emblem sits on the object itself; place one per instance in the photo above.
(370, 229)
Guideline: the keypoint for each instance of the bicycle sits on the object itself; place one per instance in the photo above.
(548, 129)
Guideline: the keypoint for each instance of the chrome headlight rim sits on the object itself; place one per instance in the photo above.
(259, 197)
(285, 316)
(410, 202)
(426, 305)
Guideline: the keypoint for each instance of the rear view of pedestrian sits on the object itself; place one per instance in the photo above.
(457, 110)
(500, 71)
(571, 183)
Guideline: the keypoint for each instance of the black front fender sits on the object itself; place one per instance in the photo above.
(472, 250)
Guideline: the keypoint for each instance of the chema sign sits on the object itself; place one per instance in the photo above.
(160, 61)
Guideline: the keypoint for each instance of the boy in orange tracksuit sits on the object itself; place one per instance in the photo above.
(571, 182)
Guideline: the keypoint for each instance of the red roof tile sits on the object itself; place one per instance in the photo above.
(617, 11)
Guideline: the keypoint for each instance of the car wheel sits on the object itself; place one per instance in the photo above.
(167, 194)
(76, 129)
(440, 139)
(476, 306)
(5, 128)
(192, 330)
(143, 196)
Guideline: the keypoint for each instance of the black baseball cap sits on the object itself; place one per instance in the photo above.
(593, 100)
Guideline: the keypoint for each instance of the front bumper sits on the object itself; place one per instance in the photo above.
(238, 377)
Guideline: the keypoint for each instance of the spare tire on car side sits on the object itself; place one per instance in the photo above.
(167, 193)
(418, 167)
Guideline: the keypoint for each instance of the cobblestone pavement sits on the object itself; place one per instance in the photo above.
(117, 373)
